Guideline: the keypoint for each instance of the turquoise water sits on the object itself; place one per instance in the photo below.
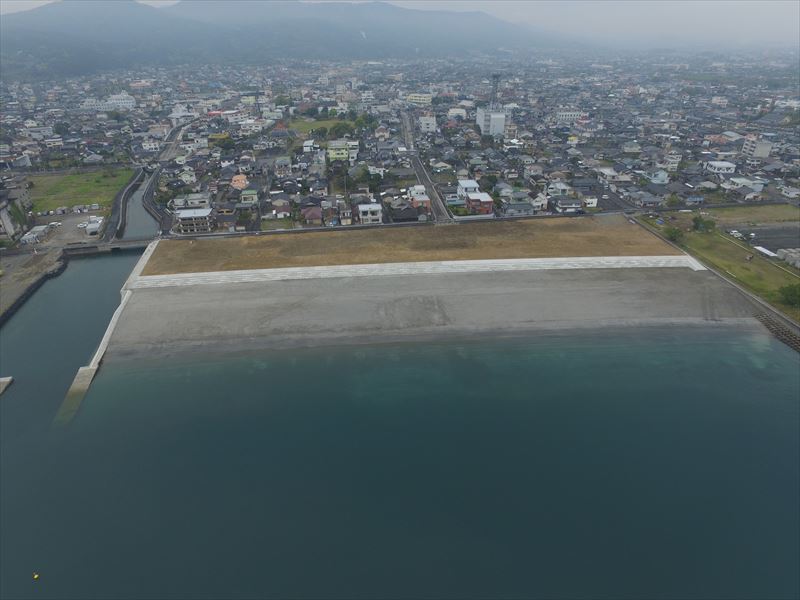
(647, 464)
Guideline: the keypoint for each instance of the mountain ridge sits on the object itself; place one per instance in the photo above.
(78, 37)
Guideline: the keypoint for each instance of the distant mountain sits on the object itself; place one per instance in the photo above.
(82, 36)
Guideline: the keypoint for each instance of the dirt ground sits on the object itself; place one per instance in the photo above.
(539, 238)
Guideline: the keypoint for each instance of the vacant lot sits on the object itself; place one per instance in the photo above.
(51, 191)
(760, 275)
(584, 236)
(303, 126)
(754, 215)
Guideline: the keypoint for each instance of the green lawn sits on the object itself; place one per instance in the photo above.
(51, 191)
(760, 275)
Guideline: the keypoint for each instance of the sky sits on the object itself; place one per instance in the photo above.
(727, 23)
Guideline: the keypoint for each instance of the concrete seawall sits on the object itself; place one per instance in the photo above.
(58, 268)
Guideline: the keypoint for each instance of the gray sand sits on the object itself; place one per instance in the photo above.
(243, 316)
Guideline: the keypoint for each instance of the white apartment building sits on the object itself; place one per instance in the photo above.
(756, 148)
(720, 167)
(568, 115)
(122, 101)
(456, 112)
(427, 124)
(491, 121)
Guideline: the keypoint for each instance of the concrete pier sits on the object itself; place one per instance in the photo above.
(75, 395)
(80, 385)
(4, 383)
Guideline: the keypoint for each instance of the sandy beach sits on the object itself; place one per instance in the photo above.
(347, 310)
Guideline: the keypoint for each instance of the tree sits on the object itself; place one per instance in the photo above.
(488, 181)
(673, 234)
(340, 129)
(790, 294)
(703, 225)
(321, 132)
(61, 128)
(673, 200)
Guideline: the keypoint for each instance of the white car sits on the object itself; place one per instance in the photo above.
(82, 225)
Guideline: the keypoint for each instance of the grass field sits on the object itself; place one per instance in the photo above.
(584, 236)
(271, 224)
(303, 126)
(754, 215)
(760, 275)
(51, 191)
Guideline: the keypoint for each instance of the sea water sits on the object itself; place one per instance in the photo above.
(642, 463)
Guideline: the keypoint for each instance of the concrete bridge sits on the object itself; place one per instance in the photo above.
(106, 247)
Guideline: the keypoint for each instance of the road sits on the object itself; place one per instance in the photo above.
(173, 143)
(440, 212)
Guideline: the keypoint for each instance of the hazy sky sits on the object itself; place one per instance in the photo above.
(626, 22)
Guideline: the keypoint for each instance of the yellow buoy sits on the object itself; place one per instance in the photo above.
(35, 576)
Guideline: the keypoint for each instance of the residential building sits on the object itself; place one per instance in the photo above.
(568, 115)
(756, 148)
(194, 220)
(466, 187)
(420, 99)
(491, 121)
(427, 124)
(370, 213)
(338, 150)
(720, 167)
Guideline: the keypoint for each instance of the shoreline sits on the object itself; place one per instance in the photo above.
(59, 266)
(202, 314)
(183, 350)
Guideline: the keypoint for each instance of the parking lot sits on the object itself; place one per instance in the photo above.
(773, 237)
(69, 232)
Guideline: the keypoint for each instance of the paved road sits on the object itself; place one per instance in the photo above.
(174, 139)
(414, 268)
(440, 211)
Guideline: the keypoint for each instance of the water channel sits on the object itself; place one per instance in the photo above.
(57, 330)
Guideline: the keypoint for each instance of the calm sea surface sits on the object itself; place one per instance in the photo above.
(646, 464)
